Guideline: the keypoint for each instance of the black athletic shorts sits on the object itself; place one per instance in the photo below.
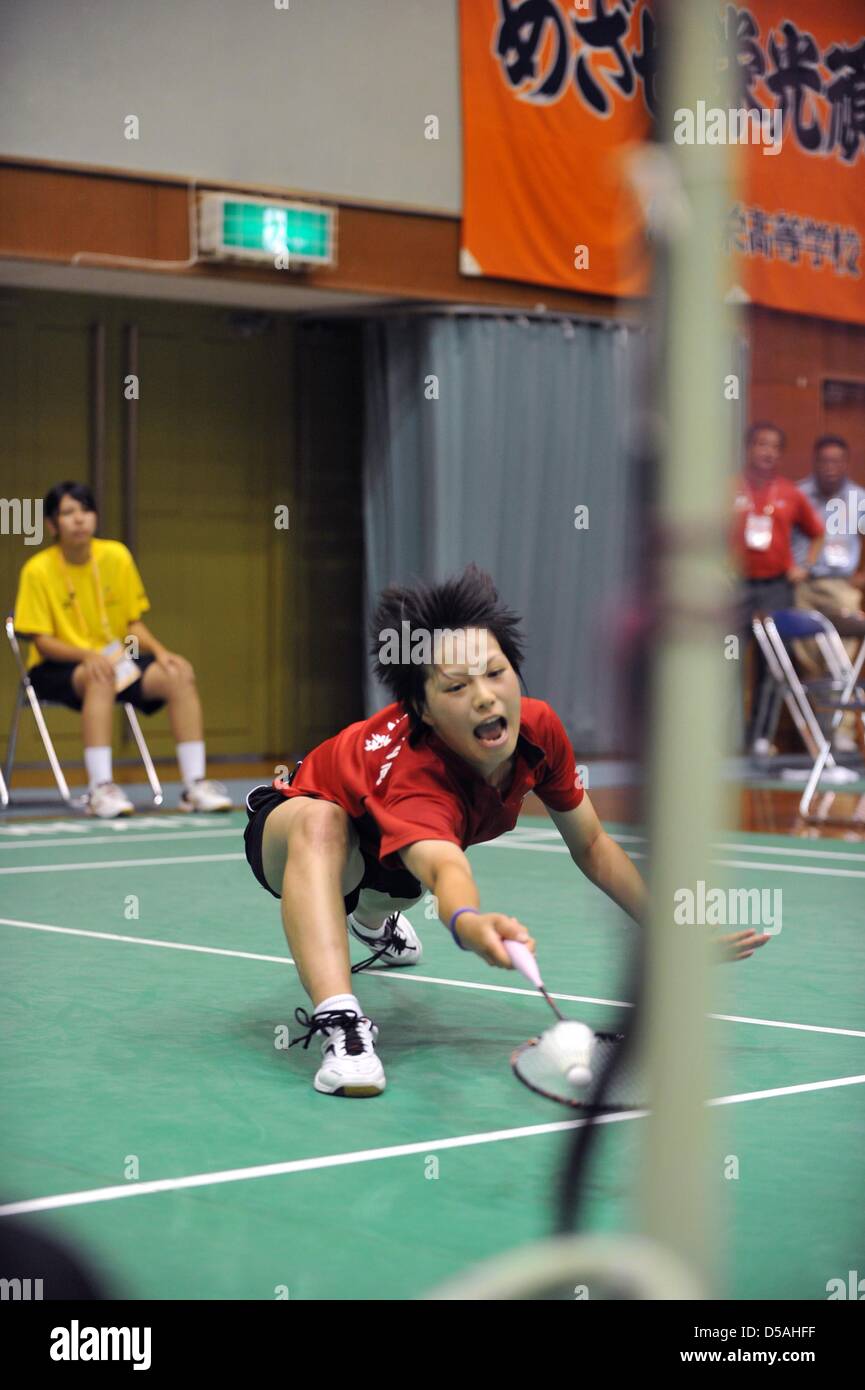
(396, 883)
(52, 680)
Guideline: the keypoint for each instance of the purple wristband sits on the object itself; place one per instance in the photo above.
(477, 913)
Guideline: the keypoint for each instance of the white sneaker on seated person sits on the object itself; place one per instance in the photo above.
(205, 795)
(107, 801)
(839, 776)
(835, 776)
(762, 748)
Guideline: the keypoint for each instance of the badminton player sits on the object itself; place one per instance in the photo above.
(386, 809)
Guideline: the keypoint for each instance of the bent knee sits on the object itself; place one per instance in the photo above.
(180, 678)
(319, 827)
(86, 678)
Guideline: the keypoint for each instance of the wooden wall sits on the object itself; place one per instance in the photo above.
(791, 357)
(265, 615)
(61, 214)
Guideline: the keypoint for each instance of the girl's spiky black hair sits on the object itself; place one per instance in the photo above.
(467, 600)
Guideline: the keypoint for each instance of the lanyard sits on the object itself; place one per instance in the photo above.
(768, 508)
(100, 598)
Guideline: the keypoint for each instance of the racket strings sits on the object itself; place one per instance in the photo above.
(617, 1078)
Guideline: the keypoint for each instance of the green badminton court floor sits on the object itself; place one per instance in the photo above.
(153, 1119)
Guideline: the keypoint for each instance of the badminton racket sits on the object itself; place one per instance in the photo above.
(563, 1063)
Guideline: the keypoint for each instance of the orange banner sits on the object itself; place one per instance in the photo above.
(556, 97)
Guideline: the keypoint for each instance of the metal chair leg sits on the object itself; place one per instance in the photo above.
(26, 692)
(800, 711)
(12, 741)
(155, 785)
(774, 715)
(764, 704)
(47, 744)
(850, 685)
(813, 781)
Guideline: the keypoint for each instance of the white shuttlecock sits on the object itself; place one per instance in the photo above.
(567, 1049)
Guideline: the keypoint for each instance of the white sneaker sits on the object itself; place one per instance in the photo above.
(844, 742)
(762, 748)
(839, 776)
(349, 1065)
(398, 944)
(205, 796)
(108, 801)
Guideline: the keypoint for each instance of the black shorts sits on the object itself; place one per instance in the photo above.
(52, 680)
(396, 883)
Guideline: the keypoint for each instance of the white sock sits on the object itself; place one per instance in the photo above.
(98, 764)
(190, 760)
(339, 1001)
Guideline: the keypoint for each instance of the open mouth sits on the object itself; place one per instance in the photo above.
(492, 733)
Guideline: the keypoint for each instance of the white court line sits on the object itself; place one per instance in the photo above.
(777, 1023)
(522, 836)
(488, 844)
(519, 839)
(789, 1090)
(147, 941)
(74, 830)
(405, 978)
(305, 1165)
(528, 835)
(791, 868)
(795, 853)
(751, 865)
(298, 1165)
(118, 840)
(504, 842)
(123, 863)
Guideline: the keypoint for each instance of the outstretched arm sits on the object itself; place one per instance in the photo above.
(601, 859)
(610, 868)
(443, 868)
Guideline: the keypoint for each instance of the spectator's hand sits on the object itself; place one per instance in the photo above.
(173, 664)
(739, 945)
(99, 668)
(797, 573)
(483, 932)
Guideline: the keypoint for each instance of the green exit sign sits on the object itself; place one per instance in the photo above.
(265, 230)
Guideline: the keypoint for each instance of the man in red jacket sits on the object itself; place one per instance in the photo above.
(388, 807)
(767, 508)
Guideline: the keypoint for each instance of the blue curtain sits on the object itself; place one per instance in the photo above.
(482, 437)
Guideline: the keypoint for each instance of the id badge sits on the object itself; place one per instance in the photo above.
(758, 531)
(836, 555)
(126, 672)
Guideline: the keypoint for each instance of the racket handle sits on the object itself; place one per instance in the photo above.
(524, 961)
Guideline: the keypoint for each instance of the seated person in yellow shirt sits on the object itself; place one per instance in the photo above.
(79, 599)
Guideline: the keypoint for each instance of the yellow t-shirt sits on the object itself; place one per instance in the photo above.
(46, 606)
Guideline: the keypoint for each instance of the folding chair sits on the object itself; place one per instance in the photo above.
(27, 695)
(838, 694)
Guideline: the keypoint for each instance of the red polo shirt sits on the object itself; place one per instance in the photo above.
(397, 794)
(785, 506)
